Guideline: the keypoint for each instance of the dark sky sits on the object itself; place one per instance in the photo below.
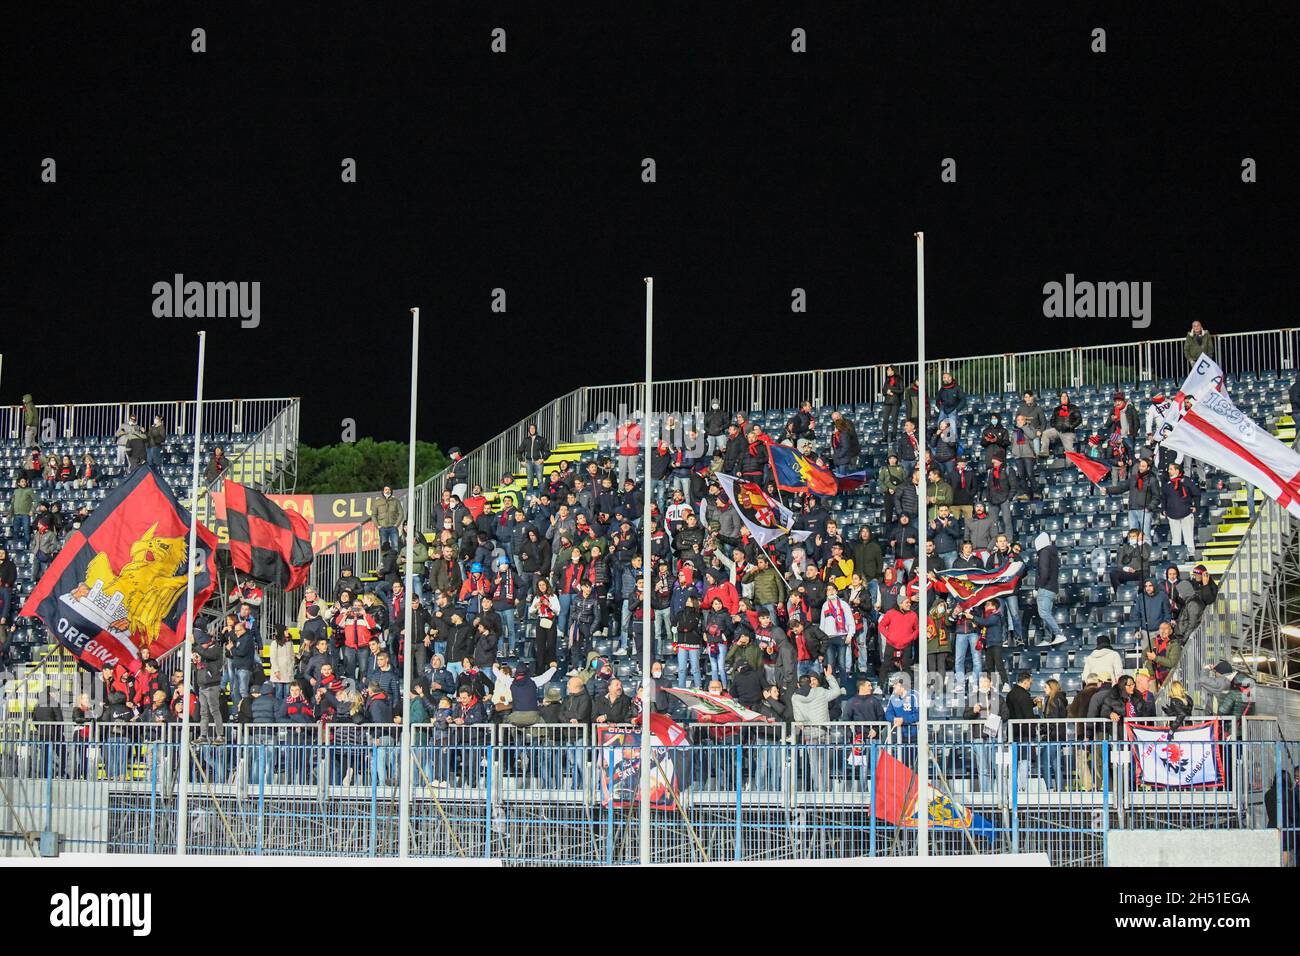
(522, 171)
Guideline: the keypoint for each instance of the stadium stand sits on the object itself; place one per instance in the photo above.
(521, 769)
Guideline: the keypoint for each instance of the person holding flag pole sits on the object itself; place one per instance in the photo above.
(187, 617)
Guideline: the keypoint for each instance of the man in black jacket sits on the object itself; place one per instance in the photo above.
(733, 452)
(1181, 497)
(865, 706)
(533, 452)
(1061, 425)
(868, 559)
(613, 707)
(747, 685)
(1020, 706)
(209, 659)
(715, 428)
(802, 422)
(1046, 583)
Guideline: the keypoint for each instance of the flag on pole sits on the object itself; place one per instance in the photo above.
(1095, 470)
(851, 480)
(894, 800)
(798, 473)
(1215, 431)
(1187, 757)
(766, 518)
(266, 541)
(972, 588)
(1206, 376)
(114, 594)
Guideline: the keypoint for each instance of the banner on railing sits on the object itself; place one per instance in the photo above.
(1189, 756)
(619, 764)
(894, 798)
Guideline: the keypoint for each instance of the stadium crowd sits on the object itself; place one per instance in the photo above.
(547, 584)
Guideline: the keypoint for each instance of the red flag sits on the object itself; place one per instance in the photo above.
(116, 592)
(1095, 470)
(266, 541)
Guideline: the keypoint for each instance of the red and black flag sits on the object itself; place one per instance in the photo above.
(267, 542)
(116, 592)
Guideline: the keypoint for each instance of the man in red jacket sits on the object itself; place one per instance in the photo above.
(899, 628)
(628, 439)
(357, 627)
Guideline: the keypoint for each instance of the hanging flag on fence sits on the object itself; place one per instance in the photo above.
(894, 797)
(766, 518)
(267, 542)
(1190, 756)
(972, 588)
(115, 593)
(1094, 469)
(619, 763)
(795, 472)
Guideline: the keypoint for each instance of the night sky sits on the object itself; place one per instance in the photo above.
(522, 171)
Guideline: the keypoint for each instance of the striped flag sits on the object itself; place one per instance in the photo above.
(766, 518)
(712, 708)
(267, 542)
(1215, 431)
(116, 593)
(972, 588)
(795, 472)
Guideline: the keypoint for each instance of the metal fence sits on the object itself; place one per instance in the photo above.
(240, 416)
(541, 794)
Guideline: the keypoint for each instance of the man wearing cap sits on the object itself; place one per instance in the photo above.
(457, 475)
(1104, 662)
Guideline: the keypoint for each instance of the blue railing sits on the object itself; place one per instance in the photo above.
(555, 793)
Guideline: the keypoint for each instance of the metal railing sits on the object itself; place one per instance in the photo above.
(542, 793)
(563, 419)
(240, 416)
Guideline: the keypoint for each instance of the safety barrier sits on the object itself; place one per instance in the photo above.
(242, 416)
(559, 793)
(564, 418)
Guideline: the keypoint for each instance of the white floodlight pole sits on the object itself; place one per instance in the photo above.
(404, 810)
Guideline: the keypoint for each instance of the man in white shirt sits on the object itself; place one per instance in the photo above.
(837, 624)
